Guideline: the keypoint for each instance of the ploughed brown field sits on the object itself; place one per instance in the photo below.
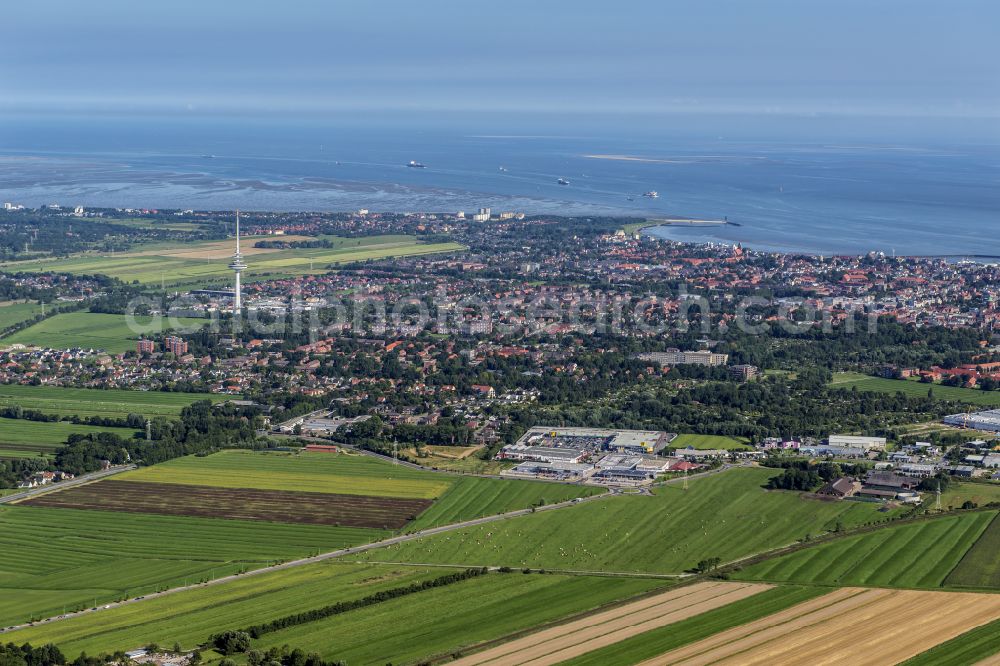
(236, 504)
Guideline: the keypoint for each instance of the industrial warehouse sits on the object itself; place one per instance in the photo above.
(988, 420)
(597, 455)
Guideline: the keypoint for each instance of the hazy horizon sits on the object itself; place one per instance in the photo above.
(893, 58)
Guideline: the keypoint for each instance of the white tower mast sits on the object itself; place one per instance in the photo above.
(237, 266)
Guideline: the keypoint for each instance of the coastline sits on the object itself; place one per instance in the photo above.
(647, 228)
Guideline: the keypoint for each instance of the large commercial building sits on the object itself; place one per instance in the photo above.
(596, 439)
(857, 442)
(988, 420)
(678, 357)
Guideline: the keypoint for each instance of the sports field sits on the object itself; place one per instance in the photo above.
(920, 555)
(201, 262)
(20, 438)
(97, 402)
(709, 442)
(726, 515)
(849, 380)
(842, 627)
(65, 558)
(91, 330)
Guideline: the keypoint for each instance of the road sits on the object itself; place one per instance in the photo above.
(63, 485)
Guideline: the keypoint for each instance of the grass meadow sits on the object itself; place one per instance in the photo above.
(55, 559)
(709, 442)
(850, 380)
(99, 402)
(32, 438)
(919, 555)
(12, 314)
(442, 621)
(726, 515)
(477, 610)
(980, 567)
(93, 330)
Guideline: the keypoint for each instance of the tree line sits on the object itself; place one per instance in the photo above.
(226, 640)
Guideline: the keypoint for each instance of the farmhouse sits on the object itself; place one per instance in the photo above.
(887, 484)
(321, 448)
(840, 488)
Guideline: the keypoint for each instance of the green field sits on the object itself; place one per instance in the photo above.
(709, 442)
(458, 497)
(444, 620)
(981, 565)
(109, 332)
(980, 493)
(477, 610)
(34, 437)
(965, 650)
(97, 402)
(726, 515)
(307, 472)
(188, 264)
(63, 558)
(471, 497)
(190, 617)
(16, 313)
(919, 555)
(849, 380)
(660, 641)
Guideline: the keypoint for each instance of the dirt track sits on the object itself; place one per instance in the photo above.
(566, 641)
(850, 625)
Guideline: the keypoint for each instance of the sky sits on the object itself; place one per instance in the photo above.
(862, 57)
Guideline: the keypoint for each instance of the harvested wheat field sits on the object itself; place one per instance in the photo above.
(851, 625)
(573, 639)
